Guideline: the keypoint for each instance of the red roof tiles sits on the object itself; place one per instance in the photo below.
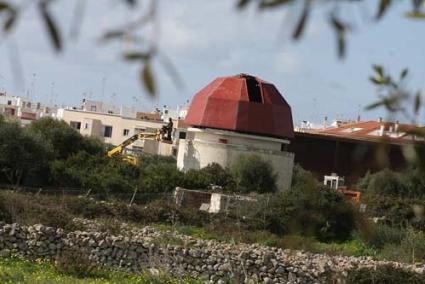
(242, 103)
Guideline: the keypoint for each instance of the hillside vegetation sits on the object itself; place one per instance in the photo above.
(309, 216)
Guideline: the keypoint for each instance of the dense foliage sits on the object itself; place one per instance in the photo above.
(254, 174)
(409, 184)
(383, 275)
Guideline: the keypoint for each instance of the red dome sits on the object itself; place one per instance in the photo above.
(242, 103)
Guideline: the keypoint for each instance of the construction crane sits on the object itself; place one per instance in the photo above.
(119, 150)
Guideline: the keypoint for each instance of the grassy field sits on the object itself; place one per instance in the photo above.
(13, 270)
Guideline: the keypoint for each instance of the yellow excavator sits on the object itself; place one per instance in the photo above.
(119, 150)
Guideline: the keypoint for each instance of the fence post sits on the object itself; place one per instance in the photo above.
(88, 192)
(132, 198)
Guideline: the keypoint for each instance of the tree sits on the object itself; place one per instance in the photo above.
(213, 174)
(101, 174)
(21, 152)
(254, 174)
(65, 140)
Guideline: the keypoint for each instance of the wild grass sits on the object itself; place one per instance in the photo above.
(14, 270)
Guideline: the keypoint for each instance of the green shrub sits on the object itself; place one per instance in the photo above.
(65, 140)
(381, 235)
(213, 174)
(302, 178)
(383, 275)
(254, 174)
(160, 178)
(386, 182)
(396, 210)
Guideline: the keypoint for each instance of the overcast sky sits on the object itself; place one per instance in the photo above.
(207, 39)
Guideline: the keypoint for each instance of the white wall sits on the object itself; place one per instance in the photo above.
(97, 121)
(202, 147)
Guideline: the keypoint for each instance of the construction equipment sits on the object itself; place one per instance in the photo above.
(119, 150)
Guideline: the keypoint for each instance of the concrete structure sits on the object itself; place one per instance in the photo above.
(103, 107)
(111, 128)
(333, 181)
(351, 149)
(211, 202)
(234, 116)
(14, 107)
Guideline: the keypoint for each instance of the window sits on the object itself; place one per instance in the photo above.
(125, 132)
(92, 108)
(9, 103)
(86, 126)
(75, 124)
(107, 131)
(139, 130)
(182, 135)
(254, 91)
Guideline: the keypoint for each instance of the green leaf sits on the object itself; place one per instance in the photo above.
(131, 56)
(148, 79)
(131, 3)
(299, 29)
(113, 34)
(375, 105)
(50, 25)
(273, 3)
(383, 7)
(415, 15)
(4, 6)
(375, 80)
(243, 4)
(404, 73)
(340, 29)
(418, 101)
(10, 21)
(378, 69)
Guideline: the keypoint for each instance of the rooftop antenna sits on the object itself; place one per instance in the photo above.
(52, 90)
(34, 77)
(103, 88)
(2, 89)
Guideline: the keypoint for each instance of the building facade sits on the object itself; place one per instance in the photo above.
(13, 107)
(110, 128)
(235, 116)
(351, 149)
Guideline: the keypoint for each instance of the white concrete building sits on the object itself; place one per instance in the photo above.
(14, 107)
(103, 107)
(234, 116)
(110, 128)
(202, 147)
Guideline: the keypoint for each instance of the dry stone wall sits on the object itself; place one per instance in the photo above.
(140, 249)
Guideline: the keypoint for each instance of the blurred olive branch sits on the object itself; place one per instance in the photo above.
(11, 13)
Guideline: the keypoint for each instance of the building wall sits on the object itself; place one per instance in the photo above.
(93, 124)
(349, 158)
(24, 109)
(203, 147)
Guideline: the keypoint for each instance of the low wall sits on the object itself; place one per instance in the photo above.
(147, 248)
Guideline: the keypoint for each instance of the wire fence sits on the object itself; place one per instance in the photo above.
(135, 196)
(206, 208)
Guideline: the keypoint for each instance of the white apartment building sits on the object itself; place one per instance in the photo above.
(14, 107)
(103, 107)
(111, 128)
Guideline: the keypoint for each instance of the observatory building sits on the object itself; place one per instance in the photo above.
(238, 115)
